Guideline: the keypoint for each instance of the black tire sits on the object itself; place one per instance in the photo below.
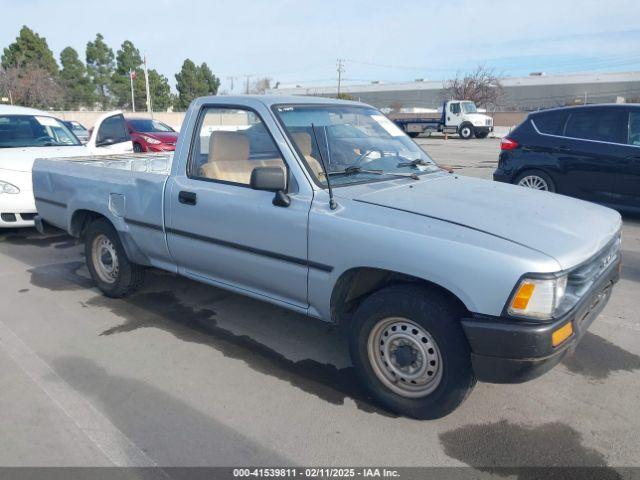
(127, 276)
(466, 131)
(137, 148)
(440, 318)
(413, 134)
(532, 174)
(482, 134)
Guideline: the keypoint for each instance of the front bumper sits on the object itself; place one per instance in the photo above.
(17, 210)
(162, 147)
(511, 351)
(483, 129)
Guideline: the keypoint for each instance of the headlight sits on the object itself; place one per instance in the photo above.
(151, 140)
(538, 297)
(6, 187)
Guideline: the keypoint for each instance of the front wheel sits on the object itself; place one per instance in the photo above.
(137, 148)
(466, 131)
(107, 261)
(410, 352)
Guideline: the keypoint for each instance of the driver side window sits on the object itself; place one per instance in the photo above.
(455, 108)
(634, 128)
(230, 143)
(112, 130)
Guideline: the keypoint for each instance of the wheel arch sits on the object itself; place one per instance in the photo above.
(356, 284)
(82, 218)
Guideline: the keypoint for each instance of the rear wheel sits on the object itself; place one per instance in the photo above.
(536, 180)
(137, 148)
(466, 131)
(409, 351)
(107, 261)
(482, 134)
(413, 134)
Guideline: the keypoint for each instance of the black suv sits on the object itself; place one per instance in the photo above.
(588, 152)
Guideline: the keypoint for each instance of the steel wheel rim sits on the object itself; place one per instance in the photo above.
(466, 132)
(404, 357)
(105, 259)
(535, 182)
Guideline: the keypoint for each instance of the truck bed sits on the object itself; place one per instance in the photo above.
(128, 189)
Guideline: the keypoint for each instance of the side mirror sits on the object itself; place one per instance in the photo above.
(271, 179)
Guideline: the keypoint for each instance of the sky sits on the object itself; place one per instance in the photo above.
(297, 42)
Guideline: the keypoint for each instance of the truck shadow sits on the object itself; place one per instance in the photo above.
(182, 308)
(147, 413)
(503, 449)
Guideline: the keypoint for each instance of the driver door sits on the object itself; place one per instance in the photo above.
(454, 114)
(110, 135)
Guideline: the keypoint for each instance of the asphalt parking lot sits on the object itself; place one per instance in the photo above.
(186, 374)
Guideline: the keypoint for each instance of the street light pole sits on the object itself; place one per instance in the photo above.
(132, 75)
(146, 81)
(340, 70)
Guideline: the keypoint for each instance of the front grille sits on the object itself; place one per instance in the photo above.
(8, 217)
(488, 122)
(581, 279)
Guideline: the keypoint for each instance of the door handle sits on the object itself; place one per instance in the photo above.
(188, 198)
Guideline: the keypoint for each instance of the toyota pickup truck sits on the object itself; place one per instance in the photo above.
(327, 208)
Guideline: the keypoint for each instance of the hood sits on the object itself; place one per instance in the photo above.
(21, 159)
(477, 118)
(566, 229)
(164, 137)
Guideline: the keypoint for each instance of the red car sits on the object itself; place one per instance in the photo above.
(151, 135)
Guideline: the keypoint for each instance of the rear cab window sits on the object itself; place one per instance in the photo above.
(550, 123)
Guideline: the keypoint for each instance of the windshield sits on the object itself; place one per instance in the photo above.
(150, 126)
(469, 107)
(34, 131)
(357, 144)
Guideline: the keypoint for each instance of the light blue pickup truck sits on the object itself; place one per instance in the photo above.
(327, 208)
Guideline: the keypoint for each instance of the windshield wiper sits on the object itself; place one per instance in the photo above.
(353, 170)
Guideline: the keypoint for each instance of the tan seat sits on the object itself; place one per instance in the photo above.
(229, 158)
(303, 141)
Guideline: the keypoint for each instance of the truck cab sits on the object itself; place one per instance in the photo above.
(462, 117)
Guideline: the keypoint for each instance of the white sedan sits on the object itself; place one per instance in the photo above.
(27, 134)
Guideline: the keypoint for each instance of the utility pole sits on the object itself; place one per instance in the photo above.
(340, 70)
(247, 88)
(585, 97)
(231, 80)
(132, 76)
(146, 82)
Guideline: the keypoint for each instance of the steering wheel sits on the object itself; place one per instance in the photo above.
(45, 138)
(364, 158)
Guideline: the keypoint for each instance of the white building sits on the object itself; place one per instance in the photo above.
(520, 93)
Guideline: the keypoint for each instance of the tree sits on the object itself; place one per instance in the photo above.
(210, 81)
(128, 59)
(76, 85)
(161, 98)
(29, 50)
(193, 81)
(481, 86)
(261, 85)
(100, 67)
(31, 86)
